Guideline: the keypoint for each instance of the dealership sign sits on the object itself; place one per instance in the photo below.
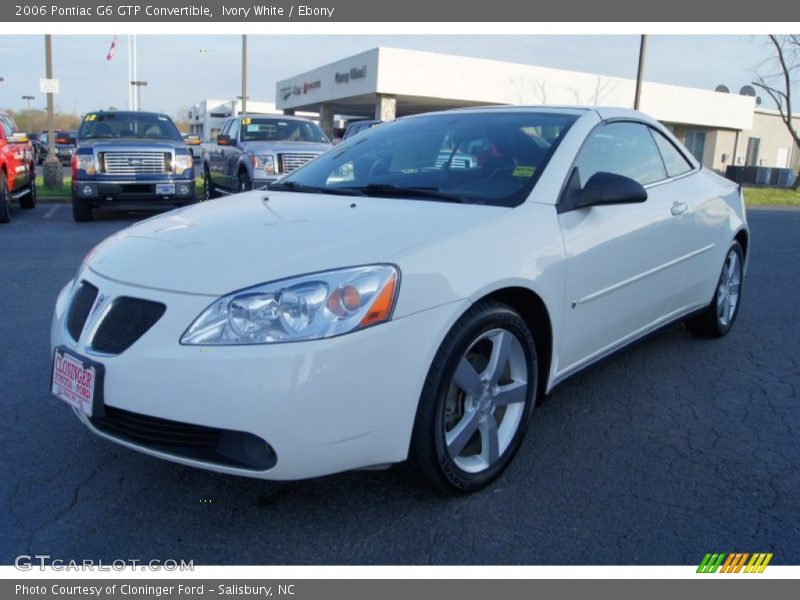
(354, 73)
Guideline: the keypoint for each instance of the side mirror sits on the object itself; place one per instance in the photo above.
(602, 189)
(223, 140)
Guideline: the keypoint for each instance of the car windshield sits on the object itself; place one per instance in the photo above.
(260, 129)
(486, 157)
(66, 138)
(128, 125)
(7, 124)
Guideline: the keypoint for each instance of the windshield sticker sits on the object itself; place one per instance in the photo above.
(247, 121)
(253, 128)
(523, 171)
(90, 117)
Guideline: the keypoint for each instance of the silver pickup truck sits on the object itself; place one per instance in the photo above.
(252, 151)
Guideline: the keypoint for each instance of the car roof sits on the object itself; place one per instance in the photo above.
(128, 112)
(271, 116)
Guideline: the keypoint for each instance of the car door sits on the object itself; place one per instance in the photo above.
(231, 156)
(216, 161)
(622, 267)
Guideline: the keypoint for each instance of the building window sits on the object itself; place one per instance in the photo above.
(696, 143)
(751, 159)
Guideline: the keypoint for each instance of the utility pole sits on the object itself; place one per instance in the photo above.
(244, 74)
(53, 174)
(640, 72)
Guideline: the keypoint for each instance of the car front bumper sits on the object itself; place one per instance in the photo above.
(323, 406)
(133, 193)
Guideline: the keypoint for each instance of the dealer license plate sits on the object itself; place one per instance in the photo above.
(73, 381)
(165, 189)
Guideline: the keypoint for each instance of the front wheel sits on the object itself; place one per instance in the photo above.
(81, 211)
(209, 190)
(477, 400)
(5, 199)
(718, 318)
(245, 184)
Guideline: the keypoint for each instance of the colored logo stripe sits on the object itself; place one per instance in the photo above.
(734, 562)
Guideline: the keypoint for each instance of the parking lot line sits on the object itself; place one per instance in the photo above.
(50, 212)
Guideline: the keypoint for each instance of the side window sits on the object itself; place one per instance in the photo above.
(624, 149)
(234, 129)
(675, 162)
(225, 127)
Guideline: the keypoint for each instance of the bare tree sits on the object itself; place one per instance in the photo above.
(776, 77)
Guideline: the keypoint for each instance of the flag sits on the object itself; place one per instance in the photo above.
(113, 49)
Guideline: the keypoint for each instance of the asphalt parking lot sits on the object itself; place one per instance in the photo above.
(674, 448)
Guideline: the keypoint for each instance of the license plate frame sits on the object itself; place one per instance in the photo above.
(94, 406)
(165, 189)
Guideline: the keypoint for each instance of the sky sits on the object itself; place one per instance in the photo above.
(182, 70)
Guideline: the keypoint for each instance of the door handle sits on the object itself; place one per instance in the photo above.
(678, 208)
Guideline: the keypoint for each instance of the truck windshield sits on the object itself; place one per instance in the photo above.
(482, 157)
(261, 129)
(128, 125)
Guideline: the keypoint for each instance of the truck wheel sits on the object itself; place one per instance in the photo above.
(209, 191)
(29, 200)
(81, 211)
(245, 184)
(5, 199)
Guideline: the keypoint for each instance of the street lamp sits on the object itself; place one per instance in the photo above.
(139, 85)
(28, 100)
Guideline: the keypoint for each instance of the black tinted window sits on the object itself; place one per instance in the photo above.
(485, 157)
(624, 149)
(128, 125)
(674, 161)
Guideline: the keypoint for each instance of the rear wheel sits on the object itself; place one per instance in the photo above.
(5, 199)
(81, 211)
(718, 318)
(209, 191)
(28, 201)
(477, 400)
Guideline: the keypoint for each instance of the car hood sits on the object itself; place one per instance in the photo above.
(224, 245)
(123, 143)
(285, 147)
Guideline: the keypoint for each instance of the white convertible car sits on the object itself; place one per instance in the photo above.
(405, 297)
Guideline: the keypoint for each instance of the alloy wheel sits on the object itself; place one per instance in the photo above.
(729, 288)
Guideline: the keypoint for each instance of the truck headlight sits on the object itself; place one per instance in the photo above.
(183, 162)
(309, 307)
(265, 163)
(84, 162)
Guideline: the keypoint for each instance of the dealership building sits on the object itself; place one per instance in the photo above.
(720, 129)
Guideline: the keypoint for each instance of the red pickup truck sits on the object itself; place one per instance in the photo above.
(17, 168)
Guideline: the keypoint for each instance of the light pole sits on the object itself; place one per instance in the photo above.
(244, 74)
(28, 100)
(53, 173)
(640, 72)
(139, 84)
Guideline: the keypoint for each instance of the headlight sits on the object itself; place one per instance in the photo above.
(84, 162)
(309, 307)
(265, 163)
(183, 162)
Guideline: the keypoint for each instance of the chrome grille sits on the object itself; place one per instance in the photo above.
(289, 162)
(135, 163)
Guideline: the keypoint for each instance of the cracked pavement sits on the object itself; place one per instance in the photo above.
(676, 447)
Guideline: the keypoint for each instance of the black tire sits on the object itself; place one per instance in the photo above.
(716, 321)
(81, 211)
(28, 201)
(209, 190)
(429, 458)
(5, 199)
(245, 184)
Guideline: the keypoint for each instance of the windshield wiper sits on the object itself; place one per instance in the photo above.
(293, 186)
(390, 189)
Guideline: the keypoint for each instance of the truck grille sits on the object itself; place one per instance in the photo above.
(126, 321)
(135, 163)
(289, 162)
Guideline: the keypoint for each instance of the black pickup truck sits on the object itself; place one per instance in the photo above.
(130, 160)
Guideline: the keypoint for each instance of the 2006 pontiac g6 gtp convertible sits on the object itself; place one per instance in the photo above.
(405, 297)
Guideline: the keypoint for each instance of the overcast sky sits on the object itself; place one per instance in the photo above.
(182, 70)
